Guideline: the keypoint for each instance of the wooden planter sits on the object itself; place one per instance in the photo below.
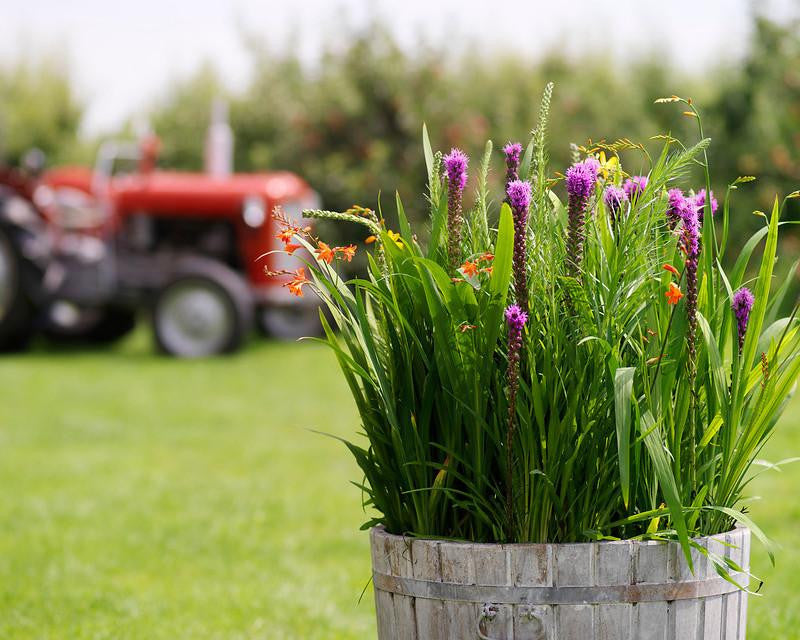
(439, 590)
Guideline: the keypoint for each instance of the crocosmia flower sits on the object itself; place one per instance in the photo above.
(674, 293)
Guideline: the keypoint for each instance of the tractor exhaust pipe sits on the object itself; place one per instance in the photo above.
(219, 142)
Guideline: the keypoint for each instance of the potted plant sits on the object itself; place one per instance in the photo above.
(561, 402)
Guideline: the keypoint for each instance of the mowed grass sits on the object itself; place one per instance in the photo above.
(148, 498)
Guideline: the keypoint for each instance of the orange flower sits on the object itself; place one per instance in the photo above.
(287, 234)
(486, 257)
(466, 327)
(291, 248)
(347, 252)
(370, 239)
(487, 270)
(469, 269)
(671, 269)
(674, 293)
(324, 253)
(296, 284)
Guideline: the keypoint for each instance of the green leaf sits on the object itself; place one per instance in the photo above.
(623, 390)
(654, 443)
(426, 147)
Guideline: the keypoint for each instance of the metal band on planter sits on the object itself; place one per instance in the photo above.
(610, 594)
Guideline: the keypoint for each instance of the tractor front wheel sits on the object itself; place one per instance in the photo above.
(205, 310)
(16, 309)
(289, 322)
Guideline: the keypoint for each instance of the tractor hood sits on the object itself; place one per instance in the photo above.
(202, 194)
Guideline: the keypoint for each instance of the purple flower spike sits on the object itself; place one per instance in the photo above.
(516, 317)
(513, 153)
(634, 186)
(699, 202)
(676, 207)
(593, 164)
(519, 197)
(614, 197)
(690, 243)
(455, 164)
(581, 179)
(743, 301)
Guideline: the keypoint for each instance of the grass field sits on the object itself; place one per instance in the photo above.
(150, 498)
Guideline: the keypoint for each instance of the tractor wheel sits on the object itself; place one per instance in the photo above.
(66, 323)
(16, 309)
(205, 310)
(289, 322)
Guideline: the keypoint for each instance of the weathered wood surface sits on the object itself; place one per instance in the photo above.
(582, 574)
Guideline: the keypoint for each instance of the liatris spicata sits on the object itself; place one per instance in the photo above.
(513, 153)
(634, 186)
(455, 165)
(581, 179)
(699, 202)
(614, 197)
(676, 207)
(519, 196)
(691, 247)
(516, 319)
(742, 303)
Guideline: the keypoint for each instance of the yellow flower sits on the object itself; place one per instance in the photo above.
(395, 237)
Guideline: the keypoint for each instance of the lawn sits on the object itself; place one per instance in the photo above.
(151, 498)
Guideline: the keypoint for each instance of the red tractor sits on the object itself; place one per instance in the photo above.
(82, 251)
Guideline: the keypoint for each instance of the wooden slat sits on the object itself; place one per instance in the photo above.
(458, 566)
(430, 613)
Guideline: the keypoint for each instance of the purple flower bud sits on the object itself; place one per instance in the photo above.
(613, 197)
(455, 164)
(516, 317)
(580, 180)
(691, 232)
(634, 186)
(513, 152)
(699, 202)
(690, 242)
(519, 195)
(676, 207)
(593, 164)
(742, 303)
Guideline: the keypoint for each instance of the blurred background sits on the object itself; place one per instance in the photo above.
(147, 497)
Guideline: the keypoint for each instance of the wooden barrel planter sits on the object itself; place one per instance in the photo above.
(440, 590)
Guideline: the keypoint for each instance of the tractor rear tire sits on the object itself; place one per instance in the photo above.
(206, 309)
(16, 309)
